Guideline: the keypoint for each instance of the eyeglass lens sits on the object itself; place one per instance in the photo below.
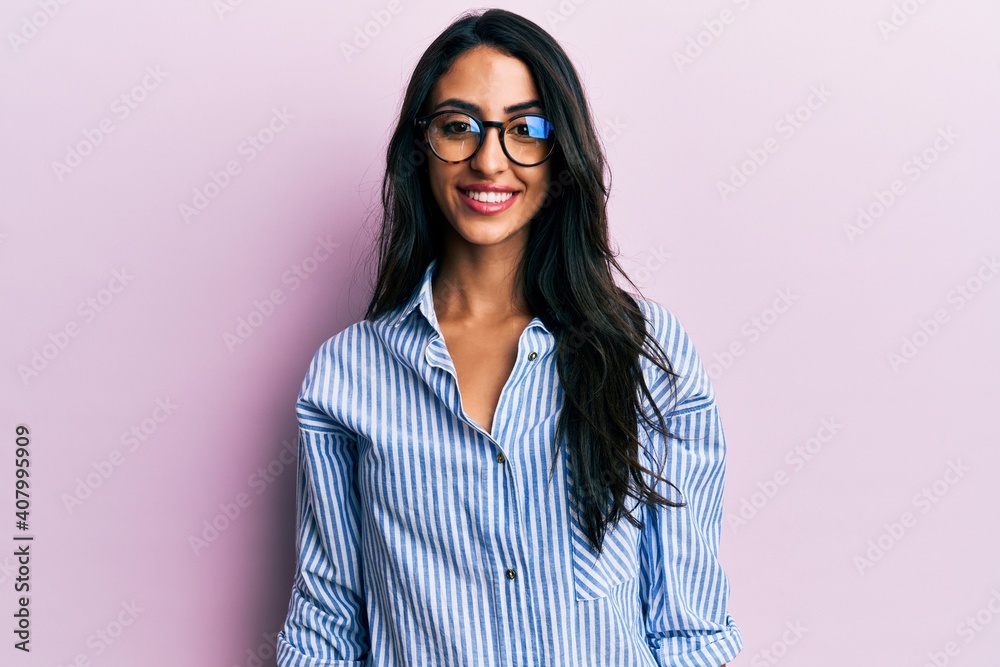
(455, 137)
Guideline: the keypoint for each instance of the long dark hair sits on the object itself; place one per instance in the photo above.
(565, 271)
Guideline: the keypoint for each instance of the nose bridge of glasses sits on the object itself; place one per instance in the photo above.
(487, 124)
(481, 150)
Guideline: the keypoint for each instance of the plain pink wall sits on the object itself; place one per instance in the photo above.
(809, 111)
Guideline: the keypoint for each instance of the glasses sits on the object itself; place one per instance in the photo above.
(454, 136)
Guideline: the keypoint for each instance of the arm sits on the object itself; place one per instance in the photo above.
(685, 588)
(326, 624)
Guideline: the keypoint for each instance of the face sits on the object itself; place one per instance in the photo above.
(493, 82)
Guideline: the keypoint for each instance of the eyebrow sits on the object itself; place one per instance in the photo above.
(468, 106)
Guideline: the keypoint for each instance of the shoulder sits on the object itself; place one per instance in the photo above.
(664, 325)
(668, 330)
(334, 362)
(693, 385)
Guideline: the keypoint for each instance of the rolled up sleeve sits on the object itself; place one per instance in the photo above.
(326, 625)
(686, 591)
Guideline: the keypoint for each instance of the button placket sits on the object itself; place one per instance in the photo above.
(519, 589)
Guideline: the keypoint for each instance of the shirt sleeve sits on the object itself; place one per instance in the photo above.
(326, 625)
(685, 589)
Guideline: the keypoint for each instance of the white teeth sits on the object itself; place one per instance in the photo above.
(489, 197)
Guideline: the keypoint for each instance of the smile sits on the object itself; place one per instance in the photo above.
(488, 197)
(487, 203)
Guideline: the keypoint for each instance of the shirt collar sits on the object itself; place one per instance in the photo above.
(423, 298)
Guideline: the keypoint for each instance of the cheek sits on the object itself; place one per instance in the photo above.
(439, 184)
(541, 179)
(539, 187)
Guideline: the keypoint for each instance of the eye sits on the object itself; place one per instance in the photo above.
(531, 128)
(455, 127)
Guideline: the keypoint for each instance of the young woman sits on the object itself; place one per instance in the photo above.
(483, 471)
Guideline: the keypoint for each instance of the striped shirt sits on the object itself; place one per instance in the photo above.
(423, 540)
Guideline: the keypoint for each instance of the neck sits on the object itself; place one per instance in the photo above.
(485, 289)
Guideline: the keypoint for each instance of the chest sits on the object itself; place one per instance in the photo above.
(483, 358)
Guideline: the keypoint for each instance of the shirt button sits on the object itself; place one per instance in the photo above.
(531, 357)
(511, 573)
(501, 458)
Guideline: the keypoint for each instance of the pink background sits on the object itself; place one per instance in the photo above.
(840, 545)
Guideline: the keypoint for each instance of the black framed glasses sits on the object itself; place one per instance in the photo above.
(455, 136)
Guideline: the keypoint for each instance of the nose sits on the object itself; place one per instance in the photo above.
(490, 157)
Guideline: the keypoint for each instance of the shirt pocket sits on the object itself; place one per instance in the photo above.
(596, 576)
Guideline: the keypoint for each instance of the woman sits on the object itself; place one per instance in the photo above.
(469, 451)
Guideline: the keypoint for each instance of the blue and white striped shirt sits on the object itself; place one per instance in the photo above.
(423, 540)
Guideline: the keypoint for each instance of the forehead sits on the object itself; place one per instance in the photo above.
(486, 77)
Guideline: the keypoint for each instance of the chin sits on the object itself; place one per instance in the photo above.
(485, 231)
(474, 238)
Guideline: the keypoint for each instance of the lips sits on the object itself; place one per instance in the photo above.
(489, 196)
(488, 202)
